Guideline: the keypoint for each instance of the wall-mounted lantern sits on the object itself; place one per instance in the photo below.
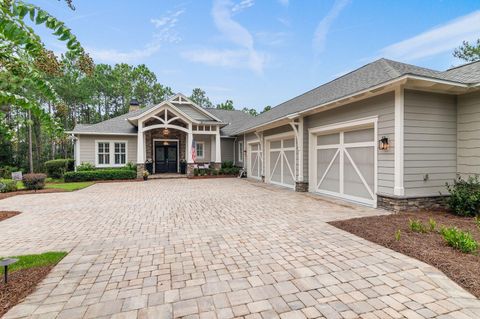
(383, 144)
(166, 132)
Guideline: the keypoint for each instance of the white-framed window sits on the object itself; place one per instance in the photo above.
(120, 154)
(110, 153)
(199, 149)
(103, 153)
(240, 151)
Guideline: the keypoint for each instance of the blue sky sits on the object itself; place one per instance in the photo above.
(263, 52)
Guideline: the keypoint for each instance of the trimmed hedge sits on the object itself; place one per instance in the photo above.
(34, 181)
(8, 185)
(56, 168)
(98, 175)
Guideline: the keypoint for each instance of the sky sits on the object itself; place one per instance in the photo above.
(264, 52)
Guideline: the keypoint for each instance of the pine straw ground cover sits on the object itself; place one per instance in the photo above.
(23, 277)
(428, 247)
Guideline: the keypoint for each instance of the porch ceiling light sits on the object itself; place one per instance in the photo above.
(166, 132)
(165, 143)
(383, 144)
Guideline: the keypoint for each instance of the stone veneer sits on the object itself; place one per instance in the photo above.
(140, 169)
(157, 134)
(397, 204)
(301, 187)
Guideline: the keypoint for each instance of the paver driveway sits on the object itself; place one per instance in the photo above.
(215, 248)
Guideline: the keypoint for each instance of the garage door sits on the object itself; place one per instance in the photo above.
(281, 162)
(255, 161)
(344, 164)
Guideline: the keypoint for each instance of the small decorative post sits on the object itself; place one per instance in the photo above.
(5, 263)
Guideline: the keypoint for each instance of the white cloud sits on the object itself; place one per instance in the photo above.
(440, 39)
(164, 33)
(245, 56)
(320, 36)
(242, 5)
(272, 38)
(283, 2)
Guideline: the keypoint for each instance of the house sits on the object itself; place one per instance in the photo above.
(388, 134)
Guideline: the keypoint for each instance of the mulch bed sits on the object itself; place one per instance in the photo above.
(24, 192)
(7, 214)
(429, 247)
(20, 284)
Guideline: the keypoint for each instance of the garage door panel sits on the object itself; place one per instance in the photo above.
(281, 161)
(344, 164)
(275, 167)
(255, 161)
(289, 167)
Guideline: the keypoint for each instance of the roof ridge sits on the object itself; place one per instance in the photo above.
(461, 66)
(390, 67)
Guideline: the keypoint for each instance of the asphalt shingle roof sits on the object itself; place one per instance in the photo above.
(235, 119)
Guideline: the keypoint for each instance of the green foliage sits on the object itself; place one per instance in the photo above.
(227, 170)
(252, 112)
(8, 185)
(468, 52)
(69, 187)
(34, 181)
(195, 172)
(56, 168)
(85, 166)
(227, 164)
(227, 105)
(200, 98)
(459, 239)
(131, 166)
(38, 260)
(266, 108)
(398, 234)
(464, 199)
(6, 171)
(98, 175)
(432, 223)
(477, 221)
(417, 226)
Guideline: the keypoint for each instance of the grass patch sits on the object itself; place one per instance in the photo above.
(69, 186)
(38, 260)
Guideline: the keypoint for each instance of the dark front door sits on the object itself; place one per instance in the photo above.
(165, 158)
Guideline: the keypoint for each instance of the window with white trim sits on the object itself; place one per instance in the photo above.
(103, 153)
(199, 148)
(240, 151)
(120, 153)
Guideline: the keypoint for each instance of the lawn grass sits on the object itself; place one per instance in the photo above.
(69, 186)
(38, 260)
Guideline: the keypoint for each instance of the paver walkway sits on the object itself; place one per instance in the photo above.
(219, 248)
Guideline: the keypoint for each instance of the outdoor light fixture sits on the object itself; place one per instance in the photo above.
(383, 144)
(165, 132)
(5, 263)
(165, 143)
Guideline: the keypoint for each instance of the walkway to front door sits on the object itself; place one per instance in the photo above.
(166, 157)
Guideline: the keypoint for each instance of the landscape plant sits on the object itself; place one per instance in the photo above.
(464, 199)
(432, 223)
(417, 226)
(34, 181)
(100, 174)
(85, 166)
(56, 168)
(8, 185)
(459, 239)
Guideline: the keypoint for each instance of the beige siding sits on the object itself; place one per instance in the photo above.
(206, 139)
(87, 146)
(381, 106)
(468, 128)
(240, 138)
(430, 142)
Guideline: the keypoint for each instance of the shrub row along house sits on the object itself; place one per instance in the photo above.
(388, 134)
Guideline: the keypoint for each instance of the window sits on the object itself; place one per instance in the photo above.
(103, 153)
(111, 153)
(120, 154)
(199, 148)
(240, 151)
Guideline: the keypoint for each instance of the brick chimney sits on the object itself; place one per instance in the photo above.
(134, 106)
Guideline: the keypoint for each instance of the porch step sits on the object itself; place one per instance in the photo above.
(167, 176)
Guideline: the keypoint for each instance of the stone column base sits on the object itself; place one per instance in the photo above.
(190, 167)
(216, 166)
(140, 169)
(301, 187)
(411, 204)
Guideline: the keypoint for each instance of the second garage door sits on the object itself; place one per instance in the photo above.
(281, 162)
(344, 164)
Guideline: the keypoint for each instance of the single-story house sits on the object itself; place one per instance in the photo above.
(388, 134)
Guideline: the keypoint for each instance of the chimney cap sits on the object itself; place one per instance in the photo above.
(134, 102)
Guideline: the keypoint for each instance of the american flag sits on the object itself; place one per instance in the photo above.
(194, 151)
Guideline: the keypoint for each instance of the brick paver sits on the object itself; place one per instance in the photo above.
(219, 248)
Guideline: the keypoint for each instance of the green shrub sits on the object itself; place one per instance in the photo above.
(459, 239)
(56, 168)
(131, 166)
(98, 175)
(227, 164)
(214, 172)
(417, 226)
(432, 223)
(477, 221)
(195, 172)
(464, 199)
(85, 166)
(34, 181)
(8, 185)
(398, 234)
(6, 171)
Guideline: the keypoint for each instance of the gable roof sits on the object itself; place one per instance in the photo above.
(368, 76)
(234, 119)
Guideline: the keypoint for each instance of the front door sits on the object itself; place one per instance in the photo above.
(165, 158)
